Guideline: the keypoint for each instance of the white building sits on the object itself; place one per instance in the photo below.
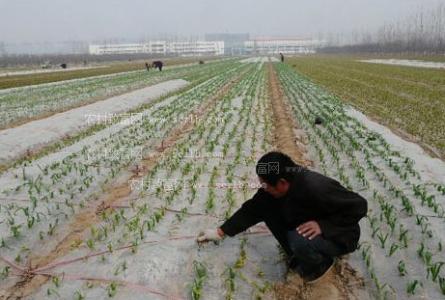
(281, 45)
(116, 48)
(161, 47)
(197, 48)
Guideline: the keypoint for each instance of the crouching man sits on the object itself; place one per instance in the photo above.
(313, 217)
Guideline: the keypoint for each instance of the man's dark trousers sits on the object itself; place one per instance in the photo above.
(309, 255)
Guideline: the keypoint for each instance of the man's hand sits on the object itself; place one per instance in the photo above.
(210, 235)
(309, 229)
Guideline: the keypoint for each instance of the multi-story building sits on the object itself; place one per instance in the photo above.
(156, 47)
(161, 47)
(230, 44)
(233, 42)
(197, 48)
(281, 45)
(116, 49)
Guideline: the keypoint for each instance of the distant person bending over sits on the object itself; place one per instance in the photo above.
(147, 66)
(157, 64)
(313, 217)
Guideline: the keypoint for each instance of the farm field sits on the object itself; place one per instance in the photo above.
(428, 57)
(19, 105)
(27, 71)
(407, 99)
(407, 62)
(397, 56)
(114, 213)
(28, 137)
(18, 80)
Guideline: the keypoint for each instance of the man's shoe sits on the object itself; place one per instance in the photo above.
(318, 274)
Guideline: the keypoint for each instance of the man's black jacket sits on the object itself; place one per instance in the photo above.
(311, 197)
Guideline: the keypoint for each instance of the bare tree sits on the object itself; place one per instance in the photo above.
(423, 32)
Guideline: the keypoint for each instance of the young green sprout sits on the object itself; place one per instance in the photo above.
(112, 289)
(401, 268)
(198, 282)
(412, 285)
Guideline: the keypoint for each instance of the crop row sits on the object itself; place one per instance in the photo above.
(400, 200)
(24, 103)
(199, 183)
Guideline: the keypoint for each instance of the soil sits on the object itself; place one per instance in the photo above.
(342, 282)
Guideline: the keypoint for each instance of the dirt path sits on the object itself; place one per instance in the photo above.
(342, 282)
(288, 138)
(119, 191)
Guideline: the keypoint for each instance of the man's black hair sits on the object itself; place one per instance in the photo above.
(276, 165)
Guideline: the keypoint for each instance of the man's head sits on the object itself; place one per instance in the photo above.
(276, 171)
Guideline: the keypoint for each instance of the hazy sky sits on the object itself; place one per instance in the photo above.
(58, 20)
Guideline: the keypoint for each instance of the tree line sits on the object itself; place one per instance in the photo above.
(422, 32)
